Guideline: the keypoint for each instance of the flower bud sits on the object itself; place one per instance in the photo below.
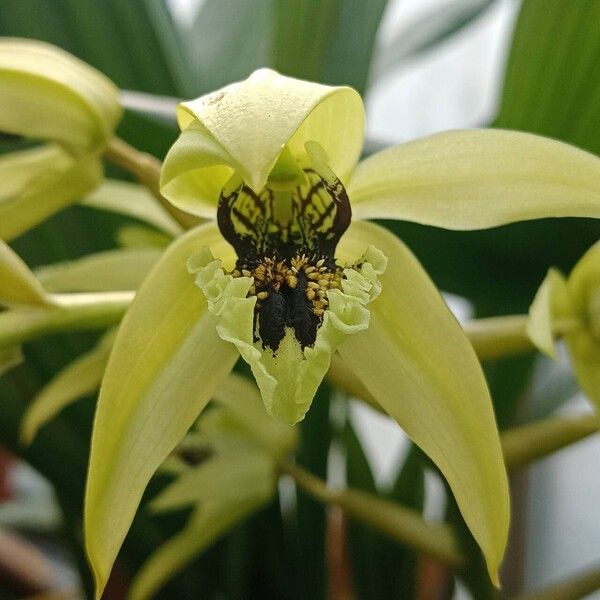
(69, 110)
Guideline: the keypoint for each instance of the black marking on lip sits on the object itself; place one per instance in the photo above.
(319, 215)
(287, 308)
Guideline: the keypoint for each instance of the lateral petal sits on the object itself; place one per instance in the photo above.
(166, 363)
(418, 364)
(477, 179)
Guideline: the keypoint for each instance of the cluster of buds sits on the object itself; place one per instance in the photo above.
(57, 115)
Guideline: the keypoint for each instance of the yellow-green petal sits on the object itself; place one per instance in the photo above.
(584, 342)
(79, 378)
(205, 526)
(18, 285)
(46, 93)
(543, 312)
(570, 308)
(164, 367)
(242, 400)
(112, 270)
(584, 285)
(10, 357)
(140, 236)
(28, 170)
(132, 200)
(245, 127)
(477, 179)
(228, 476)
(39, 182)
(418, 364)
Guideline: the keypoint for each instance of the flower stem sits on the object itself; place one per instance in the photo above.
(576, 587)
(69, 312)
(527, 443)
(398, 522)
(146, 169)
(496, 337)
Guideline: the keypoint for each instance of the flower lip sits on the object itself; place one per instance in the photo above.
(289, 375)
(285, 240)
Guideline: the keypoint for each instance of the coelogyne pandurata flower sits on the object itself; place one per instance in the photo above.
(287, 305)
(291, 272)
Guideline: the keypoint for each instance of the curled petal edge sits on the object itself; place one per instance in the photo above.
(289, 378)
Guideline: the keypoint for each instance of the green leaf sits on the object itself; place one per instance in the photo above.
(165, 365)
(78, 379)
(404, 358)
(134, 43)
(549, 86)
(330, 41)
(434, 27)
(219, 59)
(351, 40)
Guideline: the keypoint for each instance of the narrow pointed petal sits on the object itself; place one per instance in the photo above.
(10, 357)
(245, 127)
(142, 237)
(113, 270)
(242, 400)
(132, 200)
(18, 285)
(77, 379)
(226, 477)
(477, 179)
(543, 312)
(164, 367)
(418, 364)
(206, 525)
(46, 93)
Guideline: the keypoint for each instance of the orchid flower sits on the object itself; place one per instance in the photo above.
(288, 271)
(570, 308)
(69, 111)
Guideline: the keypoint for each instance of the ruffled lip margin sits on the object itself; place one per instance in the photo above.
(288, 379)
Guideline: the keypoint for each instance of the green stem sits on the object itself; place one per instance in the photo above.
(527, 443)
(402, 524)
(571, 589)
(497, 337)
(146, 169)
(69, 312)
